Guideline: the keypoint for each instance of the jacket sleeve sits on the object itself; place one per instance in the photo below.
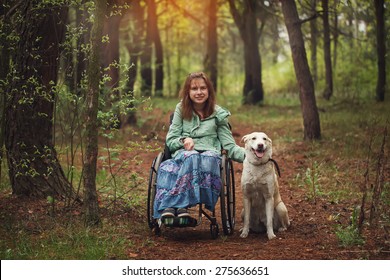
(228, 143)
(175, 131)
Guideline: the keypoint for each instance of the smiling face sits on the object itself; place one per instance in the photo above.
(258, 146)
(198, 93)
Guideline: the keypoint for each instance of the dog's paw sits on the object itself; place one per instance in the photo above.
(271, 236)
(281, 229)
(244, 233)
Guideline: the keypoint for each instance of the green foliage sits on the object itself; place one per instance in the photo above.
(279, 78)
(72, 244)
(349, 235)
(311, 180)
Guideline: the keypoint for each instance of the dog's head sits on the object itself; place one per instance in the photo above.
(258, 147)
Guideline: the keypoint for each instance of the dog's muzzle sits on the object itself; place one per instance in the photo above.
(260, 151)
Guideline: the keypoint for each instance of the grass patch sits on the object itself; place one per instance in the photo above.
(73, 242)
(349, 235)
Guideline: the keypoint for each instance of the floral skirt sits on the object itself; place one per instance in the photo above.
(187, 180)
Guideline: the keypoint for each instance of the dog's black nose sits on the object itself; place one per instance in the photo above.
(260, 146)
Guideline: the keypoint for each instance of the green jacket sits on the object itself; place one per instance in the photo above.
(210, 134)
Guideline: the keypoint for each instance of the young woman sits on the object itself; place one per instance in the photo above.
(198, 133)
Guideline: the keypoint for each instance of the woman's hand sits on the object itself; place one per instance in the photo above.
(188, 144)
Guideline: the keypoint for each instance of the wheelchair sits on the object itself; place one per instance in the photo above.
(227, 200)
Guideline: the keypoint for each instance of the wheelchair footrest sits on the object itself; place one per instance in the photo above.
(179, 221)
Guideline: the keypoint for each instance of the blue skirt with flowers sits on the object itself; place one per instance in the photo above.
(188, 179)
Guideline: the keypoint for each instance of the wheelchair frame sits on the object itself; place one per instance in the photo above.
(227, 199)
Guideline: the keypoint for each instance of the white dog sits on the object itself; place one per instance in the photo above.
(263, 206)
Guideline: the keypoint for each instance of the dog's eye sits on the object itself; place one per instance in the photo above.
(253, 138)
(265, 139)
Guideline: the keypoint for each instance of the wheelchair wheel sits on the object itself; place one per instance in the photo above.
(153, 224)
(227, 196)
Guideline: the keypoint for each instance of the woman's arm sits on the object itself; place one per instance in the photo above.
(225, 136)
(174, 136)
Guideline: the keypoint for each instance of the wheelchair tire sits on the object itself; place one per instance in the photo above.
(227, 196)
(153, 224)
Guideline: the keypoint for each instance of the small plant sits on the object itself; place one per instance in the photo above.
(311, 181)
(349, 235)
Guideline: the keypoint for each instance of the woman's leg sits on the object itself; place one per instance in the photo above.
(210, 182)
(187, 180)
(174, 188)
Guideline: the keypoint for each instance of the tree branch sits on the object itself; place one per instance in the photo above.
(236, 15)
(186, 13)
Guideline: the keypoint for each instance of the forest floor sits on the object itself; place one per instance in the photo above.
(311, 236)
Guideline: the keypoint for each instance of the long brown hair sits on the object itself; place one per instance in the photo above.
(187, 106)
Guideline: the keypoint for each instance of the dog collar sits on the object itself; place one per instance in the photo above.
(269, 160)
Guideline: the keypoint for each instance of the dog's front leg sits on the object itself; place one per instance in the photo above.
(247, 209)
(269, 212)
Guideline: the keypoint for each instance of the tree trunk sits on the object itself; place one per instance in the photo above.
(276, 46)
(81, 62)
(34, 168)
(328, 91)
(311, 121)
(335, 32)
(350, 33)
(4, 70)
(158, 48)
(381, 49)
(211, 59)
(313, 41)
(110, 56)
(134, 47)
(91, 134)
(253, 88)
(146, 59)
(247, 25)
(74, 61)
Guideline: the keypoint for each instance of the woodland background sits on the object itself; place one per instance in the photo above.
(83, 82)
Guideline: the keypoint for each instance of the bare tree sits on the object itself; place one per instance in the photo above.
(311, 121)
(92, 100)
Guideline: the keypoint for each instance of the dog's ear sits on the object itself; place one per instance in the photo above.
(245, 138)
(267, 137)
